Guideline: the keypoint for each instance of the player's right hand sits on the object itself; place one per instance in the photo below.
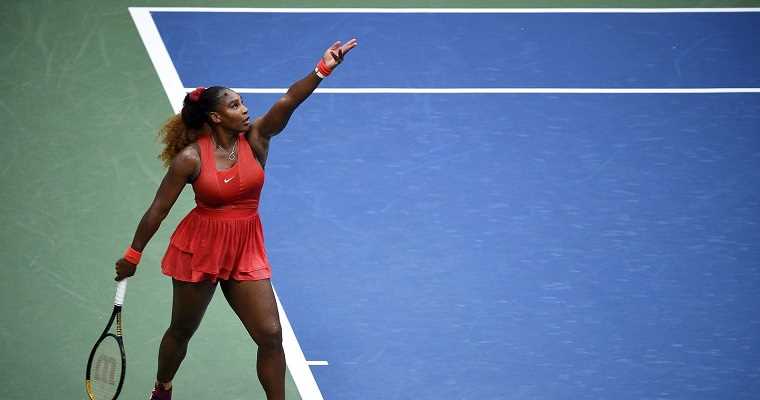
(124, 269)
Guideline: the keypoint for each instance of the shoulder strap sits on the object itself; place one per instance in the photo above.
(204, 143)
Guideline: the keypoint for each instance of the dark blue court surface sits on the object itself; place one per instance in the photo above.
(469, 50)
(509, 246)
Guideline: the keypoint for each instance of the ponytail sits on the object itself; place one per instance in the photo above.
(184, 128)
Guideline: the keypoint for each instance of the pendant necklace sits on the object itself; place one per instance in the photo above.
(231, 156)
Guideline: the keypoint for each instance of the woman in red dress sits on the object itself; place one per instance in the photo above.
(214, 146)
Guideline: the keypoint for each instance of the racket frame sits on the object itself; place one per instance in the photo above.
(121, 289)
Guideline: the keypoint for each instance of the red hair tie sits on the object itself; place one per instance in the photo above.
(195, 95)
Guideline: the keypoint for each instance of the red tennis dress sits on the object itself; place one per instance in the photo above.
(221, 238)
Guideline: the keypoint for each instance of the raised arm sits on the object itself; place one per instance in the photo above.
(180, 171)
(275, 120)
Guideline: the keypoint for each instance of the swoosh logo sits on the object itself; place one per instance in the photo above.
(227, 180)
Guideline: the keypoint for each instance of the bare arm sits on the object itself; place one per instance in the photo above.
(274, 121)
(181, 169)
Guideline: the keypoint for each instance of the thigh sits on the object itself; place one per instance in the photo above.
(189, 303)
(255, 305)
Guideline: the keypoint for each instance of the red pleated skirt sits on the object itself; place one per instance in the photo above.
(213, 244)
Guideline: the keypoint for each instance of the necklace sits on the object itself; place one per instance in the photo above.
(232, 156)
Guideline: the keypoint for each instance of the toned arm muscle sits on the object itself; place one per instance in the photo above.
(275, 120)
(179, 173)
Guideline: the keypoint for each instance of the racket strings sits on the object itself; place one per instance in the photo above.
(105, 371)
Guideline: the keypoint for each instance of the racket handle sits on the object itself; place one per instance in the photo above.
(121, 291)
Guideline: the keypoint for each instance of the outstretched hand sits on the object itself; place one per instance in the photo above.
(335, 53)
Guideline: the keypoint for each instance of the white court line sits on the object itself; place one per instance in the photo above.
(294, 358)
(173, 86)
(159, 56)
(322, 363)
(297, 364)
(455, 10)
(505, 90)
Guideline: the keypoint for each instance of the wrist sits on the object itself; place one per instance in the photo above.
(322, 70)
(133, 256)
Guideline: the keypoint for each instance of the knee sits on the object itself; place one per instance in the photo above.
(269, 336)
(181, 333)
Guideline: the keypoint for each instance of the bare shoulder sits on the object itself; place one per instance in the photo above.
(259, 142)
(187, 162)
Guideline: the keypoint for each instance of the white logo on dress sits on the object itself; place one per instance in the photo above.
(227, 180)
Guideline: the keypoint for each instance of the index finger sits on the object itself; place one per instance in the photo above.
(349, 45)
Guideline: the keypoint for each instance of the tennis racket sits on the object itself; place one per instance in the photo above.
(107, 363)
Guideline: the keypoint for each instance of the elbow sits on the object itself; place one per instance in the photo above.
(289, 104)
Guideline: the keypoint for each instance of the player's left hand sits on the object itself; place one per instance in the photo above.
(335, 53)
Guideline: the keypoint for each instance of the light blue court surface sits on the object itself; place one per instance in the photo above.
(509, 246)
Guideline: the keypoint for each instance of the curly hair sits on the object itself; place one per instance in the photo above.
(184, 128)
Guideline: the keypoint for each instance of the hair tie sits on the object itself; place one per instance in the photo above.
(195, 95)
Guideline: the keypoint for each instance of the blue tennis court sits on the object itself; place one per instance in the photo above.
(485, 245)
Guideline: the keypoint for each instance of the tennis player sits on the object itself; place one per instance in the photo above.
(213, 145)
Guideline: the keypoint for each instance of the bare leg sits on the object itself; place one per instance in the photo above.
(255, 305)
(188, 306)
